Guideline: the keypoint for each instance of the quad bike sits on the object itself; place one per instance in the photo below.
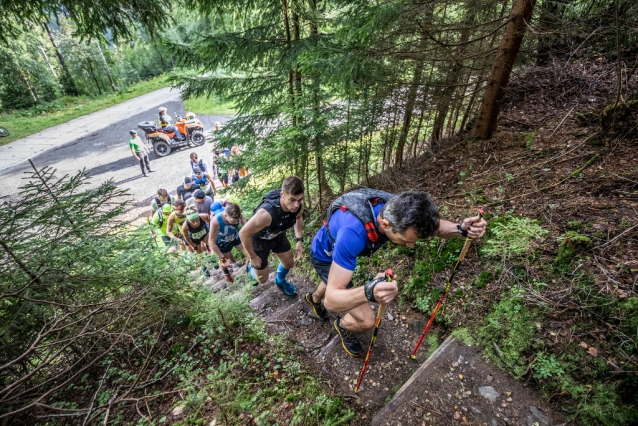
(164, 141)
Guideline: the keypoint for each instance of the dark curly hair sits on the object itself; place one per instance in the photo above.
(412, 209)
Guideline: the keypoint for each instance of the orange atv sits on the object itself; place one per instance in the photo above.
(164, 141)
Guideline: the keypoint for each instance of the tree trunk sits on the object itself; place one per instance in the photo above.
(46, 58)
(502, 68)
(69, 83)
(106, 65)
(454, 76)
(97, 83)
(409, 110)
(325, 191)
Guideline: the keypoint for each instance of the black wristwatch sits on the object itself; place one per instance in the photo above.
(300, 239)
(368, 288)
(461, 230)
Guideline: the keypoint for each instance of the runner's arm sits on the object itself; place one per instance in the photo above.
(212, 237)
(259, 221)
(187, 238)
(299, 234)
(169, 227)
(474, 227)
(135, 154)
(340, 299)
(210, 179)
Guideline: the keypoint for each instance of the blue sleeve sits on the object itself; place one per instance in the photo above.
(348, 244)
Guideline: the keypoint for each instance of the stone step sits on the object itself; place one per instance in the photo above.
(455, 385)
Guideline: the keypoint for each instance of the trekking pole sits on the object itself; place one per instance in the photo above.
(225, 270)
(389, 275)
(466, 246)
(148, 220)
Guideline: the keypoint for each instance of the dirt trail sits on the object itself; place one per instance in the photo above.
(456, 385)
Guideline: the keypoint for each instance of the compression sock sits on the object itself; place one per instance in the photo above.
(281, 273)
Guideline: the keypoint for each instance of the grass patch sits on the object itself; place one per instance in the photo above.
(209, 106)
(27, 122)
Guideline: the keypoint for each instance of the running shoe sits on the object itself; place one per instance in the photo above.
(350, 344)
(318, 309)
(288, 288)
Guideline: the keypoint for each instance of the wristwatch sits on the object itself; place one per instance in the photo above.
(461, 230)
(300, 239)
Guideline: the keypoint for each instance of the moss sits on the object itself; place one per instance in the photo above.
(463, 335)
(483, 279)
(572, 243)
(509, 325)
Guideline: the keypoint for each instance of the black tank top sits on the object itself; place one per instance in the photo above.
(281, 220)
(199, 232)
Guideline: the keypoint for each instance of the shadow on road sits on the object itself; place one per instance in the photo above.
(131, 179)
(122, 163)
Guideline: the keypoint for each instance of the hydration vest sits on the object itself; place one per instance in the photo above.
(360, 203)
(281, 220)
(227, 232)
(203, 183)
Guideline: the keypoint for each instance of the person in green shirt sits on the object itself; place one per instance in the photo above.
(160, 221)
(140, 151)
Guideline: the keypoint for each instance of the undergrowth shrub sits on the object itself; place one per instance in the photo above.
(433, 257)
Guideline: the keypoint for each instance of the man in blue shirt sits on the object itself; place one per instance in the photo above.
(357, 227)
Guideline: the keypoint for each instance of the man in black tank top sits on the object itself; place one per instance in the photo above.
(265, 232)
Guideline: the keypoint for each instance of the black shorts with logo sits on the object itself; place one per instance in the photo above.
(279, 244)
(323, 268)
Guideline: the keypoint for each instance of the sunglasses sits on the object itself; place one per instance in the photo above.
(180, 208)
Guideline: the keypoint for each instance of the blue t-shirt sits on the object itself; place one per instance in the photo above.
(350, 239)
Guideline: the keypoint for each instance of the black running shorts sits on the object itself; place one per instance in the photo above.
(279, 244)
(323, 268)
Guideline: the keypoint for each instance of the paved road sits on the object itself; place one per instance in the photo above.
(99, 143)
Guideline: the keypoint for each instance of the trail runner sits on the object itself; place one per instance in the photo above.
(265, 232)
(358, 224)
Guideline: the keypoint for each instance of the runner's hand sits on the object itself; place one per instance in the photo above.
(255, 262)
(227, 263)
(385, 292)
(299, 251)
(475, 228)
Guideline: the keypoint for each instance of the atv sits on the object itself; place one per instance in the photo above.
(164, 141)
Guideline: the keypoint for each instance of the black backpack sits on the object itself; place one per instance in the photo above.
(360, 204)
(281, 220)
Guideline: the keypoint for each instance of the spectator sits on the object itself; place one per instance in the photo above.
(140, 151)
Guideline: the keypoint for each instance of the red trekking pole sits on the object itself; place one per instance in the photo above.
(466, 246)
(389, 275)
